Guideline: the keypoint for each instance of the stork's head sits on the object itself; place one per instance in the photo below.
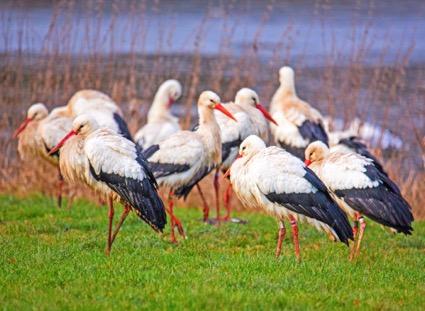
(248, 97)
(36, 112)
(286, 75)
(211, 100)
(82, 125)
(173, 89)
(251, 146)
(316, 151)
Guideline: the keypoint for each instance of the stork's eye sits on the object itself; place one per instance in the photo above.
(211, 101)
(243, 148)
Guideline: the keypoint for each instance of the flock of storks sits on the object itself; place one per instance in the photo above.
(300, 179)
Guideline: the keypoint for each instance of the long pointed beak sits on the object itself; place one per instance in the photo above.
(62, 142)
(21, 127)
(266, 114)
(307, 162)
(170, 102)
(225, 111)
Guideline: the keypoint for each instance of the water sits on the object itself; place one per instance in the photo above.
(307, 31)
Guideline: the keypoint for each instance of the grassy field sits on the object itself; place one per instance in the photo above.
(54, 259)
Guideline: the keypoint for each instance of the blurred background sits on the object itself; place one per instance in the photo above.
(353, 59)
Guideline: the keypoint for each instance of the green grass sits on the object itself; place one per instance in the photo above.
(54, 259)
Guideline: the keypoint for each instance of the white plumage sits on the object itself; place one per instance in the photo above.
(160, 123)
(101, 107)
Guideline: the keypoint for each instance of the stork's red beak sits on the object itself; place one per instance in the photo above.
(266, 114)
(22, 127)
(225, 111)
(62, 142)
(170, 102)
(307, 162)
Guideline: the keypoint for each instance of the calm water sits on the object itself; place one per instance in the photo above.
(294, 29)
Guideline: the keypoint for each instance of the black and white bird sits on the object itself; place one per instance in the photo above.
(298, 123)
(160, 123)
(279, 183)
(113, 166)
(182, 160)
(360, 188)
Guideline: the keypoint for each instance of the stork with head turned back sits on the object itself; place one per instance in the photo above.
(182, 160)
(161, 123)
(39, 133)
(252, 119)
(114, 166)
(360, 188)
(299, 123)
(279, 183)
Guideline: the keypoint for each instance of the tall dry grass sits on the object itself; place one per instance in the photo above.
(389, 94)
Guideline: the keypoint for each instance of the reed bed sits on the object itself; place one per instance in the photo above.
(388, 93)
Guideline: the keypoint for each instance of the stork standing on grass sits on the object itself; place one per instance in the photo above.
(105, 111)
(276, 181)
(182, 160)
(252, 120)
(360, 188)
(39, 133)
(161, 123)
(114, 166)
(298, 123)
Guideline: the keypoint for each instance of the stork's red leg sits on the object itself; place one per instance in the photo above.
(60, 188)
(281, 237)
(294, 227)
(111, 218)
(362, 225)
(217, 193)
(355, 234)
(124, 215)
(206, 209)
(170, 211)
(227, 199)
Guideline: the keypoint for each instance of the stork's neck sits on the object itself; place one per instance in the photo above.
(209, 130)
(286, 90)
(159, 110)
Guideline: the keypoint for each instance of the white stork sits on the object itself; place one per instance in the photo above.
(186, 157)
(360, 188)
(113, 166)
(161, 123)
(39, 133)
(252, 119)
(101, 107)
(279, 183)
(299, 123)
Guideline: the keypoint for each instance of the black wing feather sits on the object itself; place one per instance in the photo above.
(142, 195)
(383, 204)
(227, 147)
(318, 205)
(313, 131)
(184, 191)
(122, 126)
